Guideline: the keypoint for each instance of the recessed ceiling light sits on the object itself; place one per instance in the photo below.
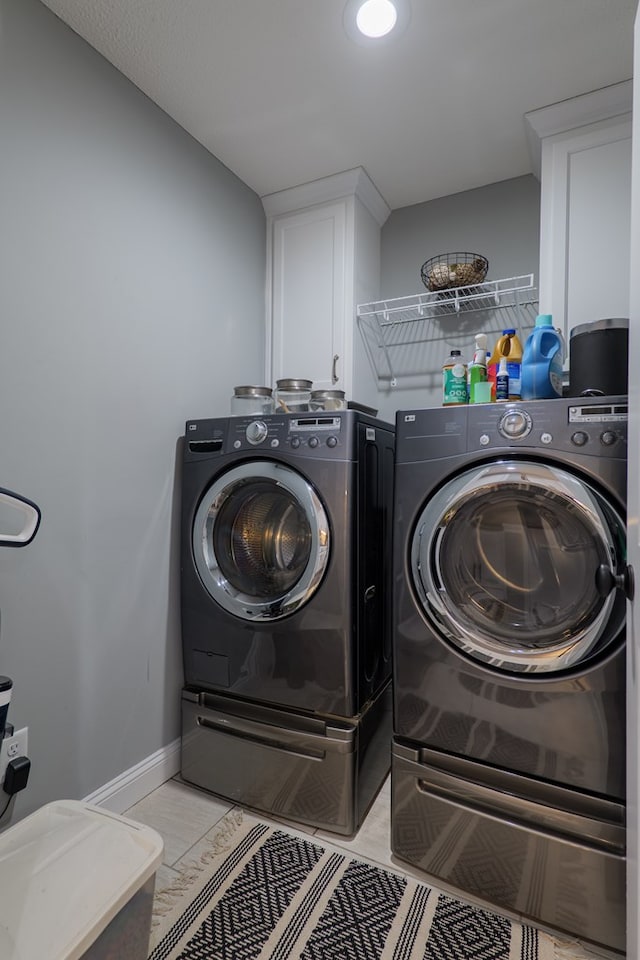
(372, 22)
(375, 18)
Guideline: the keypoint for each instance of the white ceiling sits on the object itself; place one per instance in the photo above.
(279, 93)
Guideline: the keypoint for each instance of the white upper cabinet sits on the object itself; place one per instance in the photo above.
(323, 257)
(582, 152)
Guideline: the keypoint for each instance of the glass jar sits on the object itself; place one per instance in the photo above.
(327, 400)
(247, 401)
(293, 396)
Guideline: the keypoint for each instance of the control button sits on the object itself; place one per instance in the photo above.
(295, 442)
(608, 437)
(484, 439)
(257, 431)
(275, 442)
(313, 441)
(546, 437)
(579, 438)
(332, 441)
(237, 444)
(515, 424)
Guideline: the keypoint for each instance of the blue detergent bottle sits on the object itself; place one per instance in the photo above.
(542, 361)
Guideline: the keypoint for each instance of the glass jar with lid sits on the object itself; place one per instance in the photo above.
(328, 400)
(247, 401)
(293, 396)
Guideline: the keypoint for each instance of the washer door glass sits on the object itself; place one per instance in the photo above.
(504, 560)
(261, 540)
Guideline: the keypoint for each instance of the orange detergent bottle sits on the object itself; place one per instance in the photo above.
(509, 346)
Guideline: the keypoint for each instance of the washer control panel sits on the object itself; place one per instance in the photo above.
(303, 434)
(325, 436)
(597, 427)
(591, 427)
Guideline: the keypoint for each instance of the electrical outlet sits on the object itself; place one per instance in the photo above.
(11, 747)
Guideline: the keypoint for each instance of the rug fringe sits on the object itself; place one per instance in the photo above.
(577, 950)
(221, 842)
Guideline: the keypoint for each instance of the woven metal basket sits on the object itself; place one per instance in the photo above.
(449, 270)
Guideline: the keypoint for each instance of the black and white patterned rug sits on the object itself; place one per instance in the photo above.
(264, 894)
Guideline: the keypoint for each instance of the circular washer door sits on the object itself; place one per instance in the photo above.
(504, 561)
(261, 540)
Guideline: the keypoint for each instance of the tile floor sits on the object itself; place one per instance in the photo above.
(184, 816)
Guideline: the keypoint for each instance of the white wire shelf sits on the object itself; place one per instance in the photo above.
(483, 296)
(402, 324)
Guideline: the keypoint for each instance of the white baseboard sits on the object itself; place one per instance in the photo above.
(134, 784)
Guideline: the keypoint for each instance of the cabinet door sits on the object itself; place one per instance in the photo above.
(309, 284)
(585, 224)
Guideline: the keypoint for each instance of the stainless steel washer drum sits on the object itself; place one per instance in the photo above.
(261, 540)
(504, 560)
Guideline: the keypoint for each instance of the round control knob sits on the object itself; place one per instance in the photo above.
(515, 424)
(332, 441)
(256, 432)
(608, 437)
(295, 442)
(313, 441)
(579, 438)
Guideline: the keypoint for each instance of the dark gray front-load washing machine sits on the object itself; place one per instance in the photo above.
(286, 621)
(508, 768)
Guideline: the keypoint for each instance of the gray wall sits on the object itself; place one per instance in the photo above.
(501, 222)
(131, 298)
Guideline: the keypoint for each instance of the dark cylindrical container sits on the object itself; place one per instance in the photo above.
(6, 685)
(599, 358)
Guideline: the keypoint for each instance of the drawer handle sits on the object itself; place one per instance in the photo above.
(285, 739)
(528, 813)
(265, 741)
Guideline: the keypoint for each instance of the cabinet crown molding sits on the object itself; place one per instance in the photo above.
(604, 104)
(349, 183)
